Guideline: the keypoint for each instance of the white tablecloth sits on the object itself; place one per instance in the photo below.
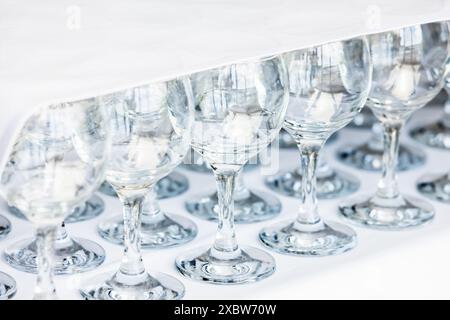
(405, 264)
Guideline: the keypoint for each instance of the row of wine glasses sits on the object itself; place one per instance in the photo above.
(137, 137)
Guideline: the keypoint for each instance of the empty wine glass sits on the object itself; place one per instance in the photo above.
(436, 134)
(57, 162)
(409, 70)
(5, 227)
(8, 286)
(151, 129)
(330, 183)
(369, 155)
(328, 86)
(239, 111)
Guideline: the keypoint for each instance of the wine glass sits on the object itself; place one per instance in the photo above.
(437, 134)
(250, 205)
(151, 128)
(56, 163)
(8, 286)
(328, 86)
(330, 183)
(239, 111)
(5, 227)
(409, 70)
(369, 155)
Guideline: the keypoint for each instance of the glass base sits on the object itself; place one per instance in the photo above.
(8, 286)
(153, 286)
(259, 206)
(387, 214)
(325, 239)
(5, 227)
(74, 256)
(330, 186)
(436, 135)
(162, 231)
(92, 209)
(249, 265)
(435, 187)
(168, 187)
(366, 157)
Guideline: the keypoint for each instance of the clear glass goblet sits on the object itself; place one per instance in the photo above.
(5, 227)
(369, 155)
(328, 86)
(239, 112)
(409, 70)
(57, 162)
(151, 130)
(437, 134)
(8, 286)
(330, 183)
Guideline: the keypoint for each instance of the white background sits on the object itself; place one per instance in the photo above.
(385, 264)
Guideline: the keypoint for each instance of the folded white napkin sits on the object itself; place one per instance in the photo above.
(54, 50)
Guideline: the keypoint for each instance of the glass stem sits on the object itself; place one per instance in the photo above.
(225, 245)
(308, 217)
(132, 264)
(45, 288)
(388, 187)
